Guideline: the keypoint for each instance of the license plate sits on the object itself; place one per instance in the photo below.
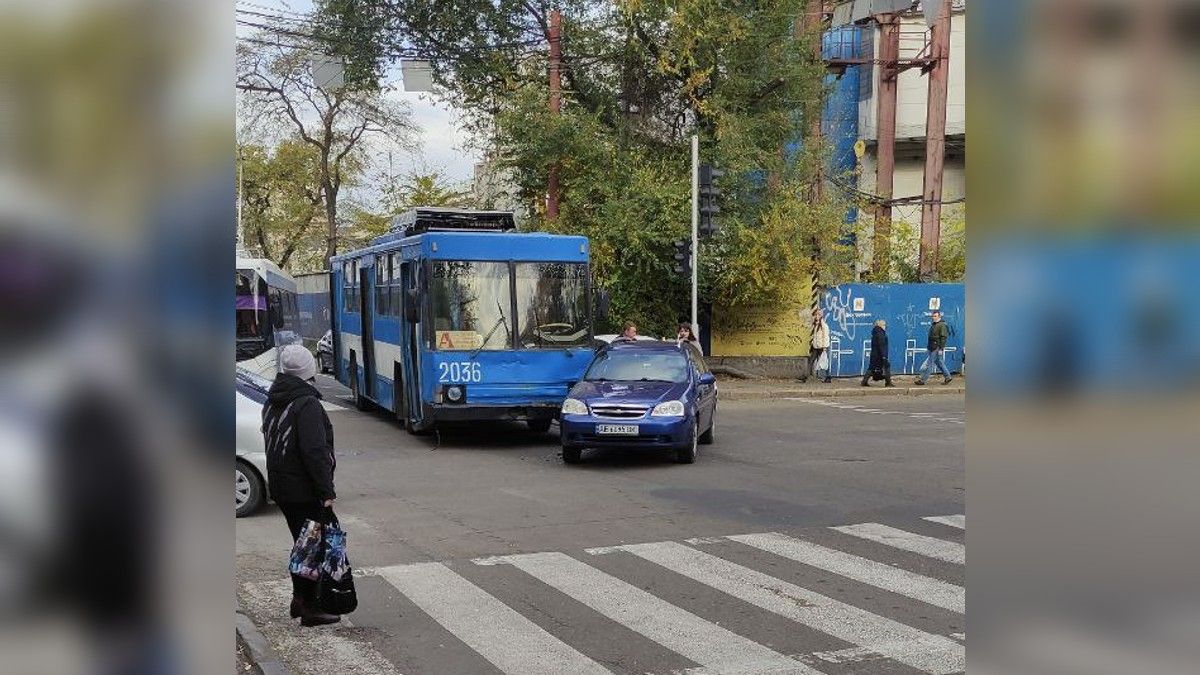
(617, 429)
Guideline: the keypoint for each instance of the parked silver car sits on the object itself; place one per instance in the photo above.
(250, 474)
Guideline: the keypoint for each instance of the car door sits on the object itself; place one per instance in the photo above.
(706, 394)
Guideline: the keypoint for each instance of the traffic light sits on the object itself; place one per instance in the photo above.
(683, 256)
(709, 196)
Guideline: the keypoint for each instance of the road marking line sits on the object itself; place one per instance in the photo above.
(714, 648)
(913, 647)
(499, 634)
(959, 521)
(930, 547)
(909, 584)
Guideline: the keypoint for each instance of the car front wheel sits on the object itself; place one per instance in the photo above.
(687, 454)
(248, 490)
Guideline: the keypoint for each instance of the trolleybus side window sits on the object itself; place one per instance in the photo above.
(350, 290)
(395, 289)
(552, 307)
(381, 286)
(471, 301)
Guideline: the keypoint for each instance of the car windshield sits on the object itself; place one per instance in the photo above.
(638, 366)
(552, 305)
(470, 304)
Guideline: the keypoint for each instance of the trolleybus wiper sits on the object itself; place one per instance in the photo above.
(487, 337)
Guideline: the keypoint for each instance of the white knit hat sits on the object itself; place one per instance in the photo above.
(297, 360)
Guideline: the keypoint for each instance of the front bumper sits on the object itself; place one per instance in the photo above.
(579, 431)
(473, 413)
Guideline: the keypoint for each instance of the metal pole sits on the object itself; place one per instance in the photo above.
(889, 55)
(555, 106)
(935, 143)
(239, 202)
(695, 227)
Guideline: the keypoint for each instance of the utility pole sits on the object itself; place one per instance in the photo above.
(889, 71)
(813, 18)
(555, 105)
(239, 202)
(935, 141)
(695, 228)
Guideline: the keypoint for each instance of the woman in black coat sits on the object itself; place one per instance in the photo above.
(879, 356)
(300, 462)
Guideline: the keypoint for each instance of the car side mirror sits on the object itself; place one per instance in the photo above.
(708, 378)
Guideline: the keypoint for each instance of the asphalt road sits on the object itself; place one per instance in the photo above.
(481, 552)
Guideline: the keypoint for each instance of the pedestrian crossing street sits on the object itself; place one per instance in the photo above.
(858, 598)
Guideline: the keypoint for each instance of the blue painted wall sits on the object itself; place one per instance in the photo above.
(851, 311)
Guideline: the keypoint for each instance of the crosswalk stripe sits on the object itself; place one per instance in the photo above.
(959, 521)
(716, 649)
(910, 584)
(507, 639)
(913, 647)
(930, 547)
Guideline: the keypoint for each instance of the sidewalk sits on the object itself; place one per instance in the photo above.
(732, 389)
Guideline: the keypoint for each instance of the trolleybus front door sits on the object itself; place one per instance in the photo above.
(366, 280)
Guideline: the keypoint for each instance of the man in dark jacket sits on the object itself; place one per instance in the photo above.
(939, 334)
(879, 356)
(300, 462)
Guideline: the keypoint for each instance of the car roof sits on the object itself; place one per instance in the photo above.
(644, 345)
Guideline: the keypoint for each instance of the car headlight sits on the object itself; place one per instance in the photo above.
(574, 406)
(668, 409)
(454, 394)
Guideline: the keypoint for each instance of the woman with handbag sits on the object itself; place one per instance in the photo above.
(879, 368)
(300, 463)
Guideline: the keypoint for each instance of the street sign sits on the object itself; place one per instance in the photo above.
(417, 74)
(328, 72)
(854, 11)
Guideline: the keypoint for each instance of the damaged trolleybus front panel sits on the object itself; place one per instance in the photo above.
(455, 319)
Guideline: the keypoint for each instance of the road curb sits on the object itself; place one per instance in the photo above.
(752, 395)
(261, 652)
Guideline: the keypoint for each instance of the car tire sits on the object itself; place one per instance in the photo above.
(687, 454)
(572, 455)
(706, 438)
(539, 426)
(249, 493)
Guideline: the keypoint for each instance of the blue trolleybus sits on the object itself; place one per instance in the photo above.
(453, 316)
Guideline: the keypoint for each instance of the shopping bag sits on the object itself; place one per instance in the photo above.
(823, 361)
(308, 551)
(877, 373)
(335, 588)
(334, 564)
(337, 596)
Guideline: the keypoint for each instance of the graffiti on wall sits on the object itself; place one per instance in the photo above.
(851, 311)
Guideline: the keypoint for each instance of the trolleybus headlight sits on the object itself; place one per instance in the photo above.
(454, 394)
(574, 406)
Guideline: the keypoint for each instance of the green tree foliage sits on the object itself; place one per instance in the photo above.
(639, 77)
(280, 198)
(277, 88)
(952, 249)
(427, 187)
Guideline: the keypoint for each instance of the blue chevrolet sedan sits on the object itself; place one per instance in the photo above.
(654, 395)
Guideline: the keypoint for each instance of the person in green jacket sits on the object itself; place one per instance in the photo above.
(939, 334)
